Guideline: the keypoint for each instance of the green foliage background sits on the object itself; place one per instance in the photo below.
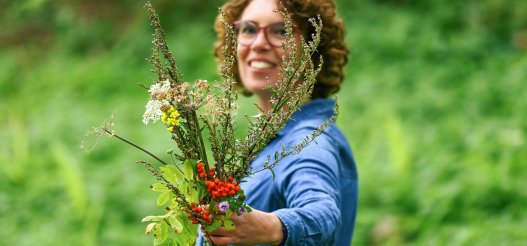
(434, 106)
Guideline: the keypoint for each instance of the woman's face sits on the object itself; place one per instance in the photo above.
(259, 62)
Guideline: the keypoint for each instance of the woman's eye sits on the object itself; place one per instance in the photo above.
(248, 29)
(278, 29)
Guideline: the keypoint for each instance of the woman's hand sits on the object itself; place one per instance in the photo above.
(256, 227)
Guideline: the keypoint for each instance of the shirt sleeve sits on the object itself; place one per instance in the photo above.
(309, 183)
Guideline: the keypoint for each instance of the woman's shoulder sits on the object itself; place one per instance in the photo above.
(314, 129)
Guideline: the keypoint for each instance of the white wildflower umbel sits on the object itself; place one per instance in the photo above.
(160, 87)
(157, 100)
(153, 111)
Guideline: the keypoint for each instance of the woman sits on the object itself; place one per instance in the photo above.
(313, 198)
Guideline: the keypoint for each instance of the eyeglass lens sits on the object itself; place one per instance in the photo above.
(247, 31)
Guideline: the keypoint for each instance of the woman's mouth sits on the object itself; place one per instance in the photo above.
(261, 64)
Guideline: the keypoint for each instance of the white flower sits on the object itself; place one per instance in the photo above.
(153, 111)
(161, 87)
(153, 107)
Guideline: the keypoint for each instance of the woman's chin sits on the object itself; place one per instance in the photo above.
(257, 88)
(260, 91)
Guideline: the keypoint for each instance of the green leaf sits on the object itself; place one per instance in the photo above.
(163, 232)
(194, 194)
(228, 214)
(229, 225)
(159, 187)
(216, 223)
(212, 204)
(152, 218)
(198, 191)
(189, 234)
(157, 231)
(172, 174)
(189, 169)
(149, 227)
(176, 225)
(166, 243)
(164, 197)
(184, 188)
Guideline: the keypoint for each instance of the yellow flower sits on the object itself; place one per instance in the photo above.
(173, 122)
(169, 118)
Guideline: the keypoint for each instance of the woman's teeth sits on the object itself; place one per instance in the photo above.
(261, 64)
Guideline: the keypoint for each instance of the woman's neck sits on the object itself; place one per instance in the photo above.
(264, 102)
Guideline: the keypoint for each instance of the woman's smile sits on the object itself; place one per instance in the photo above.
(261, 64)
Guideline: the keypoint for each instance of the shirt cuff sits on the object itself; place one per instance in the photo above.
(284, 233)
(293, 235)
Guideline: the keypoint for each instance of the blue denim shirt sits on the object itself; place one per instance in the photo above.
(314, 193)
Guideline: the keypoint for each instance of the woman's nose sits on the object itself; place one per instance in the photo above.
(260, 41)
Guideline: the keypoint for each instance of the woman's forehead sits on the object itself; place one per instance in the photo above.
(261, 10)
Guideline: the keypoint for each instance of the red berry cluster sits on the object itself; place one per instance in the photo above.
(218, 189)
(201, 171)
(198, 212)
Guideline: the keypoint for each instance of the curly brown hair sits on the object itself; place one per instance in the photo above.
(332, 47)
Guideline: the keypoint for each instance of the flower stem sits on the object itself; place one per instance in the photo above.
(202, 150)
(139, 147)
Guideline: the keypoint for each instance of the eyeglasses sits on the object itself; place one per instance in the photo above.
(247, 31)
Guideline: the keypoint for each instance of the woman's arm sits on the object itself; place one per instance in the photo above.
(311, 188)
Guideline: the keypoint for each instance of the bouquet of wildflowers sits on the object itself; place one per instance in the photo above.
(200, 186)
